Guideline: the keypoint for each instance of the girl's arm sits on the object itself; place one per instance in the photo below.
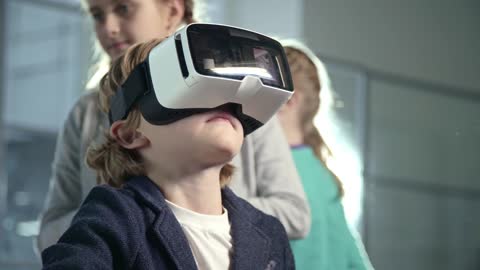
(357, 256)
(65, 193)
(279, 189)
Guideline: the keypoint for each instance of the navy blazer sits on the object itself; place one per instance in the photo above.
(133, 228)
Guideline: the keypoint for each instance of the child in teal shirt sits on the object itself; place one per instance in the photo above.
(330, 244)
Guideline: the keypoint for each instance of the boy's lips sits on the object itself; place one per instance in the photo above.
(225, 116)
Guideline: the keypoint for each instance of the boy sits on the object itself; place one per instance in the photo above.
(166, 206)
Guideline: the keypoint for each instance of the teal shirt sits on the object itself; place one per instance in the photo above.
(330, 244)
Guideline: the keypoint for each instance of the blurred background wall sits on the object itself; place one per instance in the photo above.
(407, 106)
(432, 40)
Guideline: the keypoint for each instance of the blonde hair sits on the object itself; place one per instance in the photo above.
(310, 77)
(113, 163)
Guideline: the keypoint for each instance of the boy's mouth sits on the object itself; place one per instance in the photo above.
(221, 116)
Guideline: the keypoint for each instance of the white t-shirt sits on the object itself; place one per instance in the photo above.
(208, 235)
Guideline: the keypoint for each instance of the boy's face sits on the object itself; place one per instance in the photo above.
(210, 139)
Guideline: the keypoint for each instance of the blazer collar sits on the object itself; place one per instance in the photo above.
(250, 244)
(149, 192)
(165, 226)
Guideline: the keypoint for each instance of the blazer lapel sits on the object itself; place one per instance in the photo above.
(165, 226)
(170, 233)
(250, 245)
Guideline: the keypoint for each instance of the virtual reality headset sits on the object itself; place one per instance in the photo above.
(205, 67)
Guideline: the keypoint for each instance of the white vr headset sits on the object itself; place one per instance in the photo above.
(204, 67)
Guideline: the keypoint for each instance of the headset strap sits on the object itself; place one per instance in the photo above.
(129, 92)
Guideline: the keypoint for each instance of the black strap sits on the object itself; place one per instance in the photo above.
(129, 92)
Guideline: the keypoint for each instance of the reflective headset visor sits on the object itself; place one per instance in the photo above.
(234, 53)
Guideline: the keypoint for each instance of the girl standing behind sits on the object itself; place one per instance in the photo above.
(330, 244)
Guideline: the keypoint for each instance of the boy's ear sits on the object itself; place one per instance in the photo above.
(127, 138)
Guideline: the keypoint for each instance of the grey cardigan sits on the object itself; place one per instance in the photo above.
(266, 175)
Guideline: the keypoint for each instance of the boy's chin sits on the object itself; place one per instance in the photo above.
(222, 156)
